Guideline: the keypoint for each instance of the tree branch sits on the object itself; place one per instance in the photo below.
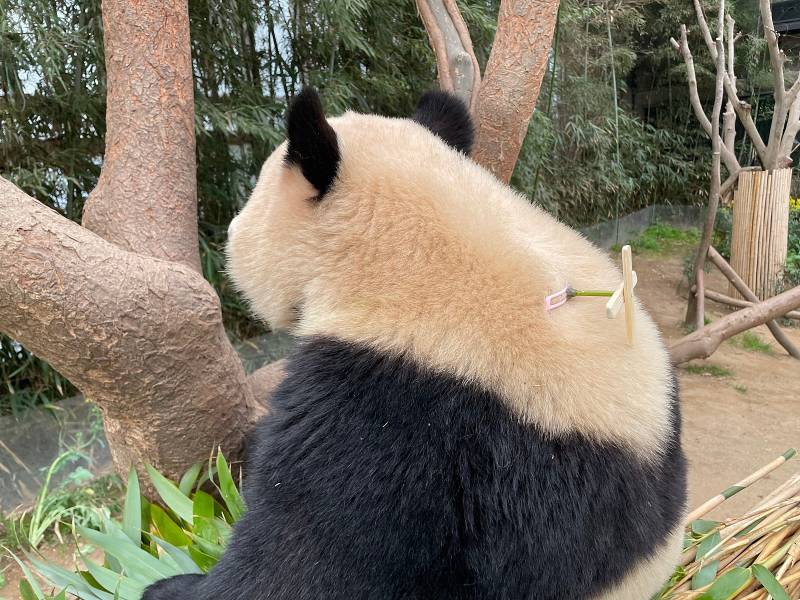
(682, 47)
(736, 303)
(777, 59)
(145, 199)
(729, 117)
(742, 109)
(511, 82)
(748, 294)
(449, 37)
(790, 134)
(140, 336)
(703, 343)
(715, 188)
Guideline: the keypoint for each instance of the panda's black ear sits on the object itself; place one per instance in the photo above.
(448, 117)
(312, 141)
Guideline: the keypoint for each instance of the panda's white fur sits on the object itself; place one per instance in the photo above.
(439, 435)
(451, 264)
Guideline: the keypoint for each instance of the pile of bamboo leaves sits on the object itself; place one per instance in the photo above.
(752, 557)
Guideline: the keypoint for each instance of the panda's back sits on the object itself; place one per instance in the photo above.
(378, 478)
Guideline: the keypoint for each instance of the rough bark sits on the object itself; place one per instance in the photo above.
(512, 81)
(145, 199)
(704, 342)
(140, 336)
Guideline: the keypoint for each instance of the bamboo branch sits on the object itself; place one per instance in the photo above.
(457, 66)
(744, 290)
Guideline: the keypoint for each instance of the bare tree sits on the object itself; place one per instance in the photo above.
(119, 305)
(772, 155)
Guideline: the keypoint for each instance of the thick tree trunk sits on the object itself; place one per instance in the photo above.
(142, 337)
(129, 320)
(512, 81)
(145, 200)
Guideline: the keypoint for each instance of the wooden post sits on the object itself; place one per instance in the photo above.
(759, 240)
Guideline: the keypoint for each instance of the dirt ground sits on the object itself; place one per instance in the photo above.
(732, 424)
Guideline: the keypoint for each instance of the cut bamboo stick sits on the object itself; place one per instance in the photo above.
(739, 486)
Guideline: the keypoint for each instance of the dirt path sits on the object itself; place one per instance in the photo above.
(732, 424)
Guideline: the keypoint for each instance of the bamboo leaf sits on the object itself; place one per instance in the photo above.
(132, 513)
(772, 585)
(189, 479)
(176, 500)
(227, 487)
(728, 585)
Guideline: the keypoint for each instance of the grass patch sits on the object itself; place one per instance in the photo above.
(750, 341)
(660, 238)
(712, 370)
(742, 389)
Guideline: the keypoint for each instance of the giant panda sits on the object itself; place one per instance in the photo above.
(439, 435)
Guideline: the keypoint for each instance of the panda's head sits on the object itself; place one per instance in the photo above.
(326, 169)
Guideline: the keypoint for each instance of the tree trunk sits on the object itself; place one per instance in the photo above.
(761, 230)
(129, 319)
(142, 337)
(146, 198)
(512, 81)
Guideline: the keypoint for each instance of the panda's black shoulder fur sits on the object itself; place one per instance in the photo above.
(377, 478)
(448, 117)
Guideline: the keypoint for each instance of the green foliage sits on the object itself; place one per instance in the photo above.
(750, 341)
(660, 238)
(26, 380)
(66, 494)
(792, 274)
(149, 542)
(585, 162)
(712, 370)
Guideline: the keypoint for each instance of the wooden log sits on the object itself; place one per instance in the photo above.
(737, 303)
(740, 286)
(703, 343)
